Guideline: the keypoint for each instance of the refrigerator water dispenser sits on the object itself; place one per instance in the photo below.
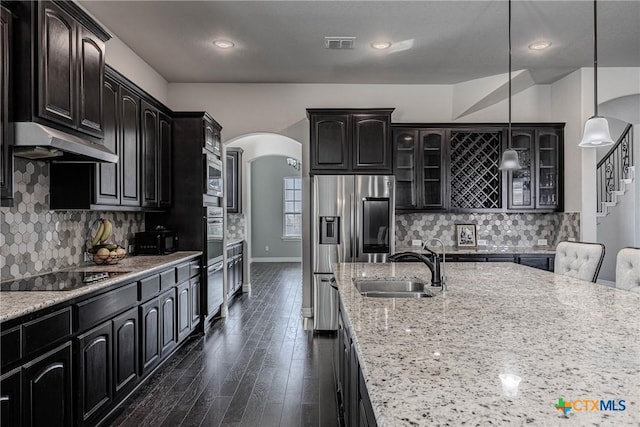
(329, 230)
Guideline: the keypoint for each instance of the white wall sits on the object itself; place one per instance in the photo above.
(280, 108)
(128, 63)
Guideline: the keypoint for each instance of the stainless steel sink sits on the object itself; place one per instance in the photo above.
(391, 288)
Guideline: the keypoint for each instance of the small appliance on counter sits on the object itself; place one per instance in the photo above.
(157, 242)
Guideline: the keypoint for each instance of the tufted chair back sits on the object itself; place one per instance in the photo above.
(579, 260)
(628, 269)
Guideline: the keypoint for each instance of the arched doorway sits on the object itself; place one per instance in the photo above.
(265, 174)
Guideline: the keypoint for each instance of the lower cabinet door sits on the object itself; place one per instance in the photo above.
(47, 389)
(194, 284)
(541, 263)
(168, 321)
(125, 351)
(94, 371)
(149, 335)
(354, 398)
(10, 399)
(184, 315)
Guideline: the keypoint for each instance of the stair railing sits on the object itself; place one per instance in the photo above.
(614, 167)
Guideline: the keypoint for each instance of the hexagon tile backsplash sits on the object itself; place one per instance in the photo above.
(35, 239)
(516, 230)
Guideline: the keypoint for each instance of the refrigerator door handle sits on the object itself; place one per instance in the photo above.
(354, 238)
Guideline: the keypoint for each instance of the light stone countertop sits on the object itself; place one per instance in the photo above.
(234, 241)
(18, 303)
(488, 250)
(437, 361)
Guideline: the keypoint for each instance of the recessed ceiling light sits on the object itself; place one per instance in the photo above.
(381, 45)
(540, 45)
(224, 44)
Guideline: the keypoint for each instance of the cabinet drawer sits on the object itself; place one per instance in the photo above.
(194, 268)
(148, 287)
(183, 272)
(46, 331)
(167, 279)
(10, 346)
(105, 306)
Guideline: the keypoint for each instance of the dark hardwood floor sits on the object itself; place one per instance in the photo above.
(257, 367)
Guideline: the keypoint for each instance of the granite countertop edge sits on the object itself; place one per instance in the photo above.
(14, 304)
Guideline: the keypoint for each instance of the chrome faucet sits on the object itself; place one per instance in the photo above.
(433, 265)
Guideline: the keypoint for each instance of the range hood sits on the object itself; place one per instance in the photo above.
(39, 142)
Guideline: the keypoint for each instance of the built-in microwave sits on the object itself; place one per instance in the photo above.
(213, 181)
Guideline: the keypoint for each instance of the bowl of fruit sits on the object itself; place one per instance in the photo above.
(101, 251)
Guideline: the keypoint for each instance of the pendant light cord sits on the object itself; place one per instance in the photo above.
(509, 129)
(595, 59)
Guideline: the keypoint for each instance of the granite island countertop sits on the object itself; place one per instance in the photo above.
(437, 361)
(18, 303)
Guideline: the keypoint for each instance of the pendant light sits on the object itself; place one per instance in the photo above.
(596, 129)
(510, 156)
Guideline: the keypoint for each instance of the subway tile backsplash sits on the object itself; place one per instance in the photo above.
(35, 239)
(519, 230)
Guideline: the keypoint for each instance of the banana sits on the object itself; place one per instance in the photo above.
(98, 235)
(108, 227)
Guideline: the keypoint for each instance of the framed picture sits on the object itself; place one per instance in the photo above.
(466, 235)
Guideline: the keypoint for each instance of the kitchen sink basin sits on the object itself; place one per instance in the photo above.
(391, 288)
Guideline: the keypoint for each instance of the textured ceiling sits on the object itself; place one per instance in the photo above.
(434, 42)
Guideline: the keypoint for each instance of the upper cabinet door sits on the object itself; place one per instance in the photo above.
(371, 142)
(404, 168)
(330, 142)
(549, 169)
(165, 167)
(6, 158)
(520, 183)
(57, 65)
(91, 81)
(149, 155)
(129, 114)
(432, 169)
(107, 174)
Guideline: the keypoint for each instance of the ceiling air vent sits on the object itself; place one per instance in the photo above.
(339, 42)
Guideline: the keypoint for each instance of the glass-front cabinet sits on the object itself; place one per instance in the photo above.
(520, 194)
(433, 171)
(404, 168)
(538, 185)
(549, 158)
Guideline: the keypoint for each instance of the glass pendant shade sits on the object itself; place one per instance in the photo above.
(510, 161)
(596, 133)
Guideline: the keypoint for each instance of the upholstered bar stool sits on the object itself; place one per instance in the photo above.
(579, 260)
(628, 269)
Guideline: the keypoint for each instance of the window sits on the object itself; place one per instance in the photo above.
(292, 207)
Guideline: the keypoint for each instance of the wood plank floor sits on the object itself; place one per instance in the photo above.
(257, 367)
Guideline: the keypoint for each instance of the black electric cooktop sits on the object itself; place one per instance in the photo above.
(58, 281)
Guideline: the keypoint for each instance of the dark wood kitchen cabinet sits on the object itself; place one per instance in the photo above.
(420, 168)
(168, 321)
(234, 180)
(150, 149)
(455, 167)
(125, 351)
(139, 130)
(47, 389)
(6, 132)
(350, 141)
(11, 398)
(94, 367)
(183, 306)
(194, 285)
(149, 335)
(538, 186)
(61, 67)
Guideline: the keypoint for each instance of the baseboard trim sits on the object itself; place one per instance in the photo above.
(246, 287)
(277, 259)
(306, 312)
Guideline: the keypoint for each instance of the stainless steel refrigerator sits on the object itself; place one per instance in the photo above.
(353, 221)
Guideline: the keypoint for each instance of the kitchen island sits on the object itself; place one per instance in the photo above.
(438, 361)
